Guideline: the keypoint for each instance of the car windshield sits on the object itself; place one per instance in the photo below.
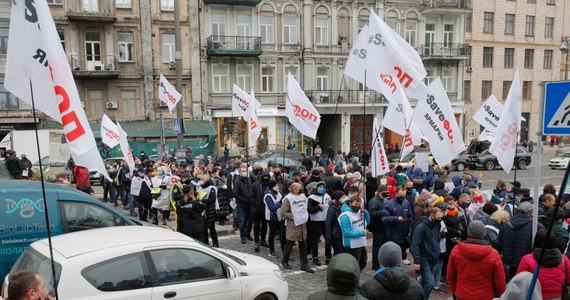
(35, 261)
(234, 258)
(565, 155)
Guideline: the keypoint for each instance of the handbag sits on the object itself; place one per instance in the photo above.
(565, 286)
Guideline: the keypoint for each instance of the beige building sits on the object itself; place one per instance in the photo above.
(507, 35)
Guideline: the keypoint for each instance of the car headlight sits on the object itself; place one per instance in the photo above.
(279, 274)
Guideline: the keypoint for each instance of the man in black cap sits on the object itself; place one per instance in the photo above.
(258, 190)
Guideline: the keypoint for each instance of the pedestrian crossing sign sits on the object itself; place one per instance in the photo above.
(556, 108)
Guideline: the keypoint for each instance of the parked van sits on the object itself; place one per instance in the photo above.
(23, 221)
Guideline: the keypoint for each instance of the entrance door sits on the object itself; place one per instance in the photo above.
(262, 141)
(361, 132)
(93, 51)
(429, 39)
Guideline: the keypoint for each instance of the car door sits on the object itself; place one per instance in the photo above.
(183, 273)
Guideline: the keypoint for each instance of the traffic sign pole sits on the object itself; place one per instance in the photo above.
(538, 160)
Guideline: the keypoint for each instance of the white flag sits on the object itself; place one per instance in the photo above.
(254, 128)
(504, 145)
(300, 111)
(109, 132)
(240, 102)
(126, 149)
(378, 160)
(488, 116)
(37, 68)
(412, 138)
(435, 117)
(356, 63)
(168, 94)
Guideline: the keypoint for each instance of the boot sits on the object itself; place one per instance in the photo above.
(256, 249)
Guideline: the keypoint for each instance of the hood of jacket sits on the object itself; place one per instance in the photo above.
(394, 280)
(438, 184)
(456, 180)
(519, 221)
(474, 250)
(343, 275)
(552, 257)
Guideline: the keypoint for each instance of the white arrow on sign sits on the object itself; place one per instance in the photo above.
(561, 118)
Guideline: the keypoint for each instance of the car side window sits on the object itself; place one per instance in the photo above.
(182, 265)
(128, 272)
(79, 216)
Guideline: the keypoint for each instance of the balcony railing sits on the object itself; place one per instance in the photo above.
(94, 66)
(445, 4)
(344, 97)
(224, 45)
(234, 2)
(437, 50)
(92, 16)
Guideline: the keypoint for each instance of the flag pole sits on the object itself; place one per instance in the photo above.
(285, 127)
(335, 112)
(53, 273)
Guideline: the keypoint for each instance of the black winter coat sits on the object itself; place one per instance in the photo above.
(258, 189)
(189, 218)
(515, 238)
(375, 207)
(210, 205)
(392, 283)
(241, 192)
(332, 227)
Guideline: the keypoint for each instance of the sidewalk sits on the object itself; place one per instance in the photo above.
(223, 230)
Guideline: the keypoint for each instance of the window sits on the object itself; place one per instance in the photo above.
(55, 2)
(550, 2)
(90, 6)
(509, 24)
(168, 47)
(363, 15)
(289, 30)
(321, 31)
(220, 79)
(4, 40)
(242, 25)
(447, 35)
(167, 5)
(244, 78)
(506, 88)
(509, 58)
(548, 59)
(343, 25)
(467, 90)
(128, 272)
(126, 43)
(488, 22)
(123, 4)
(218, 27)
(429, 39)
(8, 102)
(529, 26)
(530, 1)
(430, 76)
(178, 265)
(61, 35)
(447, 79)
(268, 79)
(294, 72)
(94, 102)
(548, 27)
(486, 89)
(392, 20)
(488, 57)
(267, 29)
(411, 32)
(468, 22)
(322, 78)
(129, 100)
(81, 216)
(527, 90)
(529, 58)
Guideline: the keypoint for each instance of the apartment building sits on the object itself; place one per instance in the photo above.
(255, 44)
(506, 35)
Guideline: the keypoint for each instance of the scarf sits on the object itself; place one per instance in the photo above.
(452, 212)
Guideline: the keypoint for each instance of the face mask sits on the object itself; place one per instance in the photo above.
(303, 178)
(265, 179)
(450, 207)
(385, 195)
(321, 191)
(435, 221)
(465, 205)
(409, 189)
(349, 197)
(243, 174)
(355, 208)
(276, 188)
(276, 173)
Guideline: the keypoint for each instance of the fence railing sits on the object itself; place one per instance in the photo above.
(225, 42)
(344, 96)
(94, 63)
(444, 49)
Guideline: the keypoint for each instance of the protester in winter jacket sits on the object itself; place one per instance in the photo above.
(397, 218)
(555, 267)
(375, 207)
(82, 182)
(500, 189)
(454, 229)
(241, 186)
(458, 187)
(477, 203)
(475, 270)
(208, 194)
(258, 192)
(561, 233)
(162, 181)
(318, 206)
(272, 212)
(189, 211)
(486, 211)
(333, 232)
(354, 219)
(390, 280)
(439, 187)
(343, 276)
(493, 227)
(517, 288)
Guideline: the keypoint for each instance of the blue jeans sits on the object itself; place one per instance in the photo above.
(437, 273)
(427, 270)
(244, 215)
(130, 202)
(378, 239)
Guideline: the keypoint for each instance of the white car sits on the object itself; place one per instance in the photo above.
(147, 263)
(560, 162)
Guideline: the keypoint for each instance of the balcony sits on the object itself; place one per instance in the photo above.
(92, 16)
(344, 97)
(444, 51)
(223, 45)
(234, 2)
(447, 6)
(94, 66)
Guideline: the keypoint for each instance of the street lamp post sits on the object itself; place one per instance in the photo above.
(564, 49)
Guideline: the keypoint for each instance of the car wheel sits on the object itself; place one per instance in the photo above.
(522, 164)
(265, 297)
(490, 165)
(460, 167)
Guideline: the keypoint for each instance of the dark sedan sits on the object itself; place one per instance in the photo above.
(489, 161)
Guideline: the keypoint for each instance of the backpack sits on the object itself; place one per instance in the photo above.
(412, 231)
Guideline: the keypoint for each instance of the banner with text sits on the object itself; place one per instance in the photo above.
(168, 94)
(378, 159)
(300, 111)
(488, 116)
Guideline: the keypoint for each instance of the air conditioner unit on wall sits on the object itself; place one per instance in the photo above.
(172, 64)
(469, 69)
(112, 105)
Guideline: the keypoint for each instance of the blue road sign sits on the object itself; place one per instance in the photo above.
(176, 126)
(556, 108)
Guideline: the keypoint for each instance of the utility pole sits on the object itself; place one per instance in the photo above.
(178, 60)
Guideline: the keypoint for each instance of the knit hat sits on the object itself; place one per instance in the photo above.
(518, 288)
(337, 195)
(272, 183)
(382, 188)
(312, 185)
(495, 200)
(526, 207)
(390, 255)
(436, 201)
(476, 230)
(489, 208)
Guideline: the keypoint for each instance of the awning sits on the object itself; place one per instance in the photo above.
(143, 129)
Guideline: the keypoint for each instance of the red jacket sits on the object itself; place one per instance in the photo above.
(81, 175)
(475, 271)
(552, 273)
